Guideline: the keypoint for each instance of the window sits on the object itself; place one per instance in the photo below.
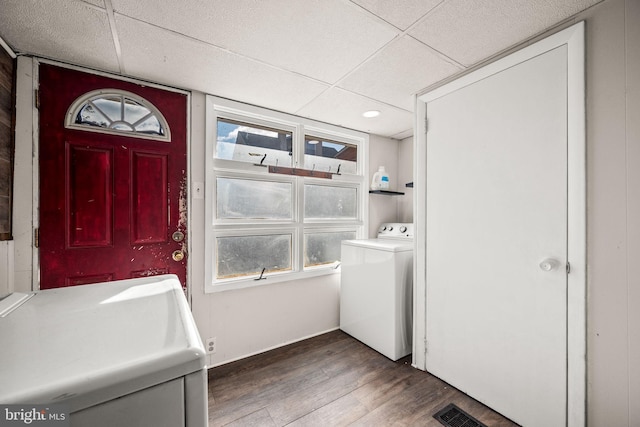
(240, 256)
(117, 111)
(244, 198)
(330, 202)
(252, 143)
(330, 154)
(264, 224)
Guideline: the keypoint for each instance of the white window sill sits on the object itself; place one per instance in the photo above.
(272, 278)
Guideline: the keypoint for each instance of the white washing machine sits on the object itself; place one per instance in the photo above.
(376, 295)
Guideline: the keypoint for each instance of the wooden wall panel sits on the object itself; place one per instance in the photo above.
(7, 97)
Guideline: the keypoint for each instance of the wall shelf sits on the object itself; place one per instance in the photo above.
(386, 192)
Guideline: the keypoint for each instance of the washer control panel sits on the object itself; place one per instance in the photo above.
(395, 230)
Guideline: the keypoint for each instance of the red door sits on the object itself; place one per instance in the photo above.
(112, 206)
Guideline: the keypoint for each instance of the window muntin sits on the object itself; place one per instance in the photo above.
(246, 142)
(241, 198)
(116, 111)
(330, 202)
(330, 156)
(323, 248)
(241, 256)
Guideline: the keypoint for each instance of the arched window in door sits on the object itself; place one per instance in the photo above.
(117, 111)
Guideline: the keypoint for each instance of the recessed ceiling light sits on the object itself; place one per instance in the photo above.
(371, 113)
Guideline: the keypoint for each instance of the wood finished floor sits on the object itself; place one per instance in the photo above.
(332, 380)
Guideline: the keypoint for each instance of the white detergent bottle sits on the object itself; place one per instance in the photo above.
(380, 180)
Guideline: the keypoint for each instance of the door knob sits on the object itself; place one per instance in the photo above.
(177, 255)
(549, 264)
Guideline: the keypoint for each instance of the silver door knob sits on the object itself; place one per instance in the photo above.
(549, 264)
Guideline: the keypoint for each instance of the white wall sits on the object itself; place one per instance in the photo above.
(383, 208)
(405, 175)
(23, 182)
(613, 213)
(6, 267)
(252, 320)
(397, 158)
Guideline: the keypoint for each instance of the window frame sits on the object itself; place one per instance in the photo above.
(256, 231)
(223, 173)
(322, 135)
(298, 226)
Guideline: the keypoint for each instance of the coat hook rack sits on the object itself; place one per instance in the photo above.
(300, 172)
(304, 172)
(283, 170)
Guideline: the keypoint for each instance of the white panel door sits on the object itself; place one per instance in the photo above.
(496, 208)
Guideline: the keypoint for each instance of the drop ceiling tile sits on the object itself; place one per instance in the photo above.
(402, 68)
(165, 57)
(400, 13)
(343, 108)
(469, 32)
(323, 39)
(74, 32)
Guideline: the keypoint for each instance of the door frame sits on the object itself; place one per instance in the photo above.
(27, 260)
(573, 38)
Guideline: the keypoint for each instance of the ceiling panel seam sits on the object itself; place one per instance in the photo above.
(377, 101)
(395, 27)
(114, 34)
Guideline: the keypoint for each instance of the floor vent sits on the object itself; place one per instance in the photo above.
(452, 416)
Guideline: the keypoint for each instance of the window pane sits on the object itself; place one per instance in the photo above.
(248, 255)
(150, 125)
(325, 155)
(133, 111)
(324, 201)
(89, 115)
(247, 198)
(111, 106)
(324, 248)
(250, 143)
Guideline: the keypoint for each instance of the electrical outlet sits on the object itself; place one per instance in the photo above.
(210, 344)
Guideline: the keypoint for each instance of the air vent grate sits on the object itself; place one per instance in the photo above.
(452, 416)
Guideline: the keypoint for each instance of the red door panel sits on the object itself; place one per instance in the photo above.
(89, 184)
(149, 184)
(109, 204)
